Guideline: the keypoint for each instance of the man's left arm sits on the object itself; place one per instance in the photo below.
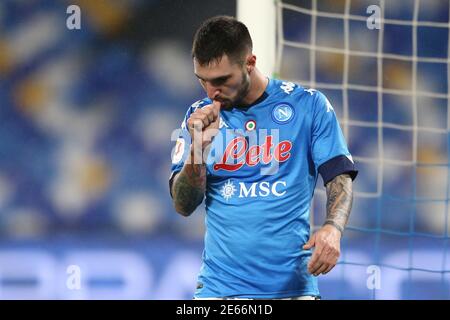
(327, 239)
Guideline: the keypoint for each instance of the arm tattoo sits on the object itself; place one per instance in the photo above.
(339, 201)
(189, 188)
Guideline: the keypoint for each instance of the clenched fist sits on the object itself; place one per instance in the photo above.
(203, 125)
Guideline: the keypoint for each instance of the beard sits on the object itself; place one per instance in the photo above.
(243, 90)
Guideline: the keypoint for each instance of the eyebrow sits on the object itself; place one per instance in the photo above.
(224, 77)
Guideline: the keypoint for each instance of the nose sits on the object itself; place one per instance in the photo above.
(212, 91)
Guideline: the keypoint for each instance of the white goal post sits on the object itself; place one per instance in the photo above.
(260, 18)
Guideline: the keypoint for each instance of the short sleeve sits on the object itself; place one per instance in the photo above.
(329, 148)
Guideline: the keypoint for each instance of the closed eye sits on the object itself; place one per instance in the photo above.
(219, 81)
(216, 81)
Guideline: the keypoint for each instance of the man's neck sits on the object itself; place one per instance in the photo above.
(258, 84)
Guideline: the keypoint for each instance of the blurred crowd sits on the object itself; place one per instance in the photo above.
(86, 115)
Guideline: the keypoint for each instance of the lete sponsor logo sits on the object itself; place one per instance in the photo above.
(238, 153)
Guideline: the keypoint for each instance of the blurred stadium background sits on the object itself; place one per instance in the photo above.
(86, 118)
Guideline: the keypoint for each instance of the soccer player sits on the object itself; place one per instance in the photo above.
(253, 150)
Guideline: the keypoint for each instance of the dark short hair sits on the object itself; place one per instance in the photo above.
(218, 36)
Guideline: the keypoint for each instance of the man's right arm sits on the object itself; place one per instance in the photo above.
(188, 187)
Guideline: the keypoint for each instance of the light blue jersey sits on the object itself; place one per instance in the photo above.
(261, 173)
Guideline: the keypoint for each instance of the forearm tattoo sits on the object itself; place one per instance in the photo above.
(189, 188)
(339, 201)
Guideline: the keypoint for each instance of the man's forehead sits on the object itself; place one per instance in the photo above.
(216, 63)
(215, 69)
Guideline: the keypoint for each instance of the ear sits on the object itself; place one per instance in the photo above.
(251, 63)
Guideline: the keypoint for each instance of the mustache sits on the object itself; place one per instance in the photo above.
(221, 100)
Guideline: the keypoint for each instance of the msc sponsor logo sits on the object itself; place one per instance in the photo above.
(253, 190)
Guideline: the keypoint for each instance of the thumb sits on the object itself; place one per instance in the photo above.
(216, 105)
(311, 242)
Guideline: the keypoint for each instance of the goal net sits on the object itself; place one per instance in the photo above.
(388, 80)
